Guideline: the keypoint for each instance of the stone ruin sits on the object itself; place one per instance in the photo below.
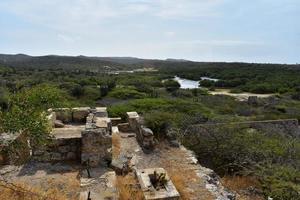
(156, 184)
(84, 136)
(78, 134)
(144, 135)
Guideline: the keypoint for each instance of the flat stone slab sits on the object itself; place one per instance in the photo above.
(66, 133)
(102, 122)
(100, 188)
(132, 114)
(169, 191)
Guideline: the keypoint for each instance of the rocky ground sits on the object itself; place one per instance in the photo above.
(193, 181)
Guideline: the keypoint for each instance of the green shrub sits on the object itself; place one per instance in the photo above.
(126, 93)
(171, 85)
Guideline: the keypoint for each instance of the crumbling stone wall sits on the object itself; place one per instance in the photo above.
(14, 148)
(68, 115)
(144, 135)
(62, 149)
(97, 140)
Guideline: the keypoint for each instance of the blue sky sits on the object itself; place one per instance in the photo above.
(202, 30)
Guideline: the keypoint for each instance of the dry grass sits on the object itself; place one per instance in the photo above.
(179, 180)
(183, 177)
(116, 145)
(128, 188)
(239, 183)
(51, 188)
(21, 191)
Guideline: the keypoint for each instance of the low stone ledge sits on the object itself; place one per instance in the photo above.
(144, 135)
(124, 127)
(167, 192)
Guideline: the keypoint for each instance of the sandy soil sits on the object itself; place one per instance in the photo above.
(239, 96)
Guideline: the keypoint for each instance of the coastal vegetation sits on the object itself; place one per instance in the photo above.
(29, 88)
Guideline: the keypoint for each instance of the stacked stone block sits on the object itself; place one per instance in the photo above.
(97, 140)
(62, 149)
(144, 135)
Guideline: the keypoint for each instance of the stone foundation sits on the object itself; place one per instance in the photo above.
(63, 149)
(167, 192)
(144, 135)
(85, 137)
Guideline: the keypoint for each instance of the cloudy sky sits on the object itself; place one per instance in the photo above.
(202, 30)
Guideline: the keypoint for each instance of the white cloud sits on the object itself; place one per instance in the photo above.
(170, 33)
(68, 38)
(89, 14)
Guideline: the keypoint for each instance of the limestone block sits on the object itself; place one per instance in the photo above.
(124, 127)
(71, 156)
(80, 114)
(95, 146)
(147, 132)
(168, 192)
(59, 124)
(51, 119)
(115, 121)
(64, 114)
(133, 120)
(101, 112)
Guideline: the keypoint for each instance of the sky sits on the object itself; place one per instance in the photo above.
(266, 31)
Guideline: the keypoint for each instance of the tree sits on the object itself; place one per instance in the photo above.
(26, 111)
(171, 85)
(206, 83)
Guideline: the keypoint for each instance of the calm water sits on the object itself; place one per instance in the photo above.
(190, 84)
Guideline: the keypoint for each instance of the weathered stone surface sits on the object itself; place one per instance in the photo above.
(64, 114)
(116, 120)
(144, 135)
(14, 148)
(147, 132)
(101, 112)
(58, 124)
(96, 143)
(51, 118)
(168, 192)
(62, 149)
(80, 114)
(124, 127)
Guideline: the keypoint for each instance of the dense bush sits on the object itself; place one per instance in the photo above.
(27, 111)
(175, 106)
(171, 85)
(206, 83)
(126, 93)
(273, 159)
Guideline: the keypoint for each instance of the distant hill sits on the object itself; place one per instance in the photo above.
(54, 61)
(113, 63)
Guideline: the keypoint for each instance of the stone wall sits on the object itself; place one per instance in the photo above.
(14, 148)
(68, 115)
(62, 149)
(90, 143)
(96, 141)
(144, 135)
